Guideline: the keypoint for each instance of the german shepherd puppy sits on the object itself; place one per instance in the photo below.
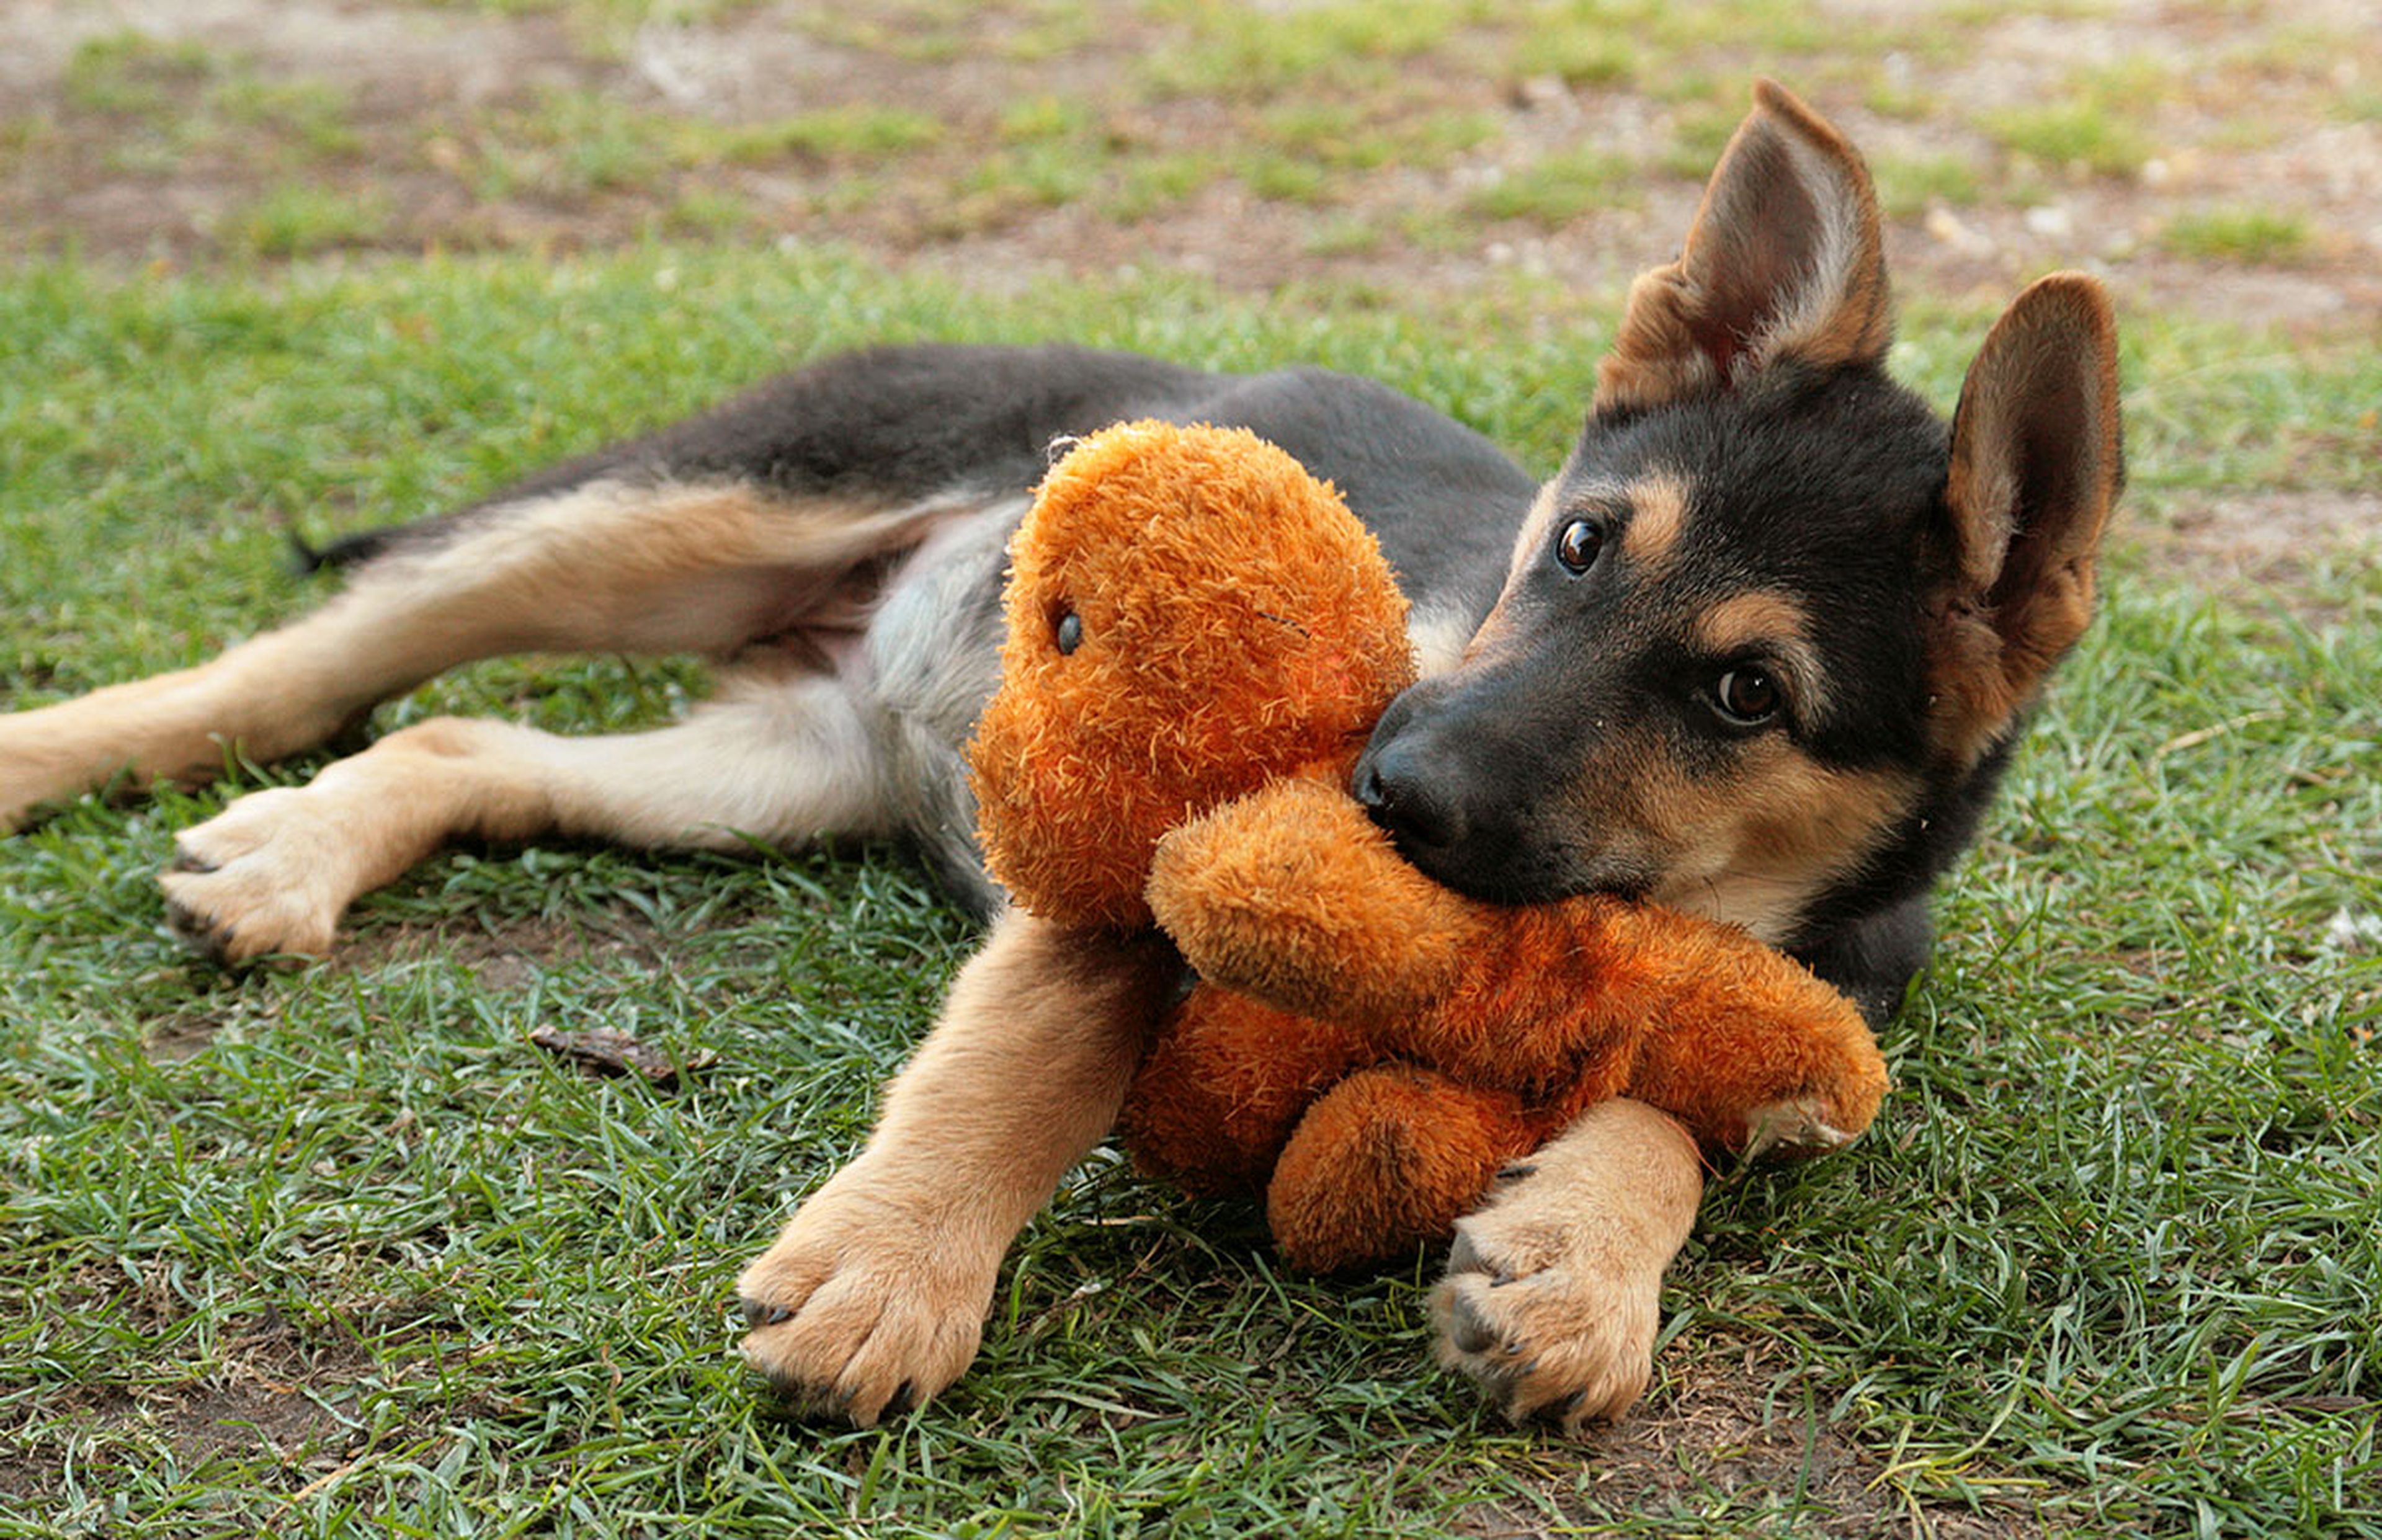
(1759, 651)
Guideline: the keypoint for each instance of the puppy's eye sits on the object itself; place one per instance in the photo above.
(1577, 544)
(1070, 631)
(1747, 696)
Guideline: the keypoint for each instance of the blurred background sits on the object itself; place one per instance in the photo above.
(2217, 159)
(2219, 155)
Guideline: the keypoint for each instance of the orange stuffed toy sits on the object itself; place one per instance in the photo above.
(1200, 637)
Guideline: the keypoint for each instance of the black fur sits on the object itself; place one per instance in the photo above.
(1825, 484)
(896, 424)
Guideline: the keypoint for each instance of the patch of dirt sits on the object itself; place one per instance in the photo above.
(1714, 1428)
(183, 1035)
(2262, 544)
(503, 954)
(272, 1421)
(142, 129)
(272, 1398)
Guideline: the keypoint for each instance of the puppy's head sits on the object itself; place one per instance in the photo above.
(1190, 613)
(1769, 630)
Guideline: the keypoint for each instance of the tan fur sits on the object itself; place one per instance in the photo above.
(2034, 473)
(884, 1276)
(1529, 541)
(606, 567)
(1749, 622)
(1552, 1291)
(774, 758)
(1784, 259)
(1771, 625)
(1658, 517)
(1752, 848)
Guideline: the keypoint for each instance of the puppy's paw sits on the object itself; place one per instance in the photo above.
(268, 874)
(865, 1308)
(1555, 1317)
(31, 773)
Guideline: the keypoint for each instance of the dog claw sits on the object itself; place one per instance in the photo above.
(196, 932)
(1517, 1170)
(759, 1315)
(186, 862)
(1470, 1333)
(1560, 1414)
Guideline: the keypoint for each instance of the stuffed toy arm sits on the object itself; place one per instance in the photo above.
(1742, 1043)
(1750, 1050)
(1291, 895)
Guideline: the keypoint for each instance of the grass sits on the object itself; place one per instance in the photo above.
(1152, 114)
(1345, 137)
(312, 113)
(334, 1251)
(1559, 188)
(853, 135)
(131, 74)
(1250, 55)
(1699, 130)
(576, 143)
(2240, 234)
(300, 219)
(1907, 186)
(2082, 134)
(167, 100)
(1589, 56)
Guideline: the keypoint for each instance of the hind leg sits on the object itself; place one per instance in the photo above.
(774, 759)
(604, 567)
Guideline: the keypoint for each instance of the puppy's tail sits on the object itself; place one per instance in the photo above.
(306, 558)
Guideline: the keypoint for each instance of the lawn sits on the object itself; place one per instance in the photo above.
(338, 1250)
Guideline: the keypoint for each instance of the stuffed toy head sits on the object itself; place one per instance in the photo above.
(1190, 613)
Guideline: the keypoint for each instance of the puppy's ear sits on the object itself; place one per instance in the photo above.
(1783, 260)
(2037, 463)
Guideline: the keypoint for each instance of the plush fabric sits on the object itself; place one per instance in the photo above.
(1200, 637)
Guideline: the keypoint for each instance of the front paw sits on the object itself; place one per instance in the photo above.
(265, 875)
(1554, 1319)
(865, 1307)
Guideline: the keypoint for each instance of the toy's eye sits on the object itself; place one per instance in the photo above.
(1577, 544)
(1070, 631)
(1747, 696)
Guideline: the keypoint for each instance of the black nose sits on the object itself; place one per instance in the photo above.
(1418, 809)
